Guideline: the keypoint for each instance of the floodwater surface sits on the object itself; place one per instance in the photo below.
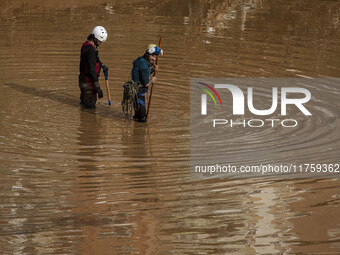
(75, 181)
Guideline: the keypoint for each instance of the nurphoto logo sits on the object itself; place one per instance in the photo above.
(256, 127)
(288, 97)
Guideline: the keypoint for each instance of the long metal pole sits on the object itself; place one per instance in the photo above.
(154, 74)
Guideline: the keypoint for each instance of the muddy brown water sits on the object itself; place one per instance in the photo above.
(76, 181)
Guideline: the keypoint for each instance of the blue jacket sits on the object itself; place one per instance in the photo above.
(141, 71)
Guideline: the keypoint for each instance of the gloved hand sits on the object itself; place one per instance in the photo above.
(99, 90)
(105, 69)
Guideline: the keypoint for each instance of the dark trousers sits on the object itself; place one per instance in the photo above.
(88, 98)
(140, 112)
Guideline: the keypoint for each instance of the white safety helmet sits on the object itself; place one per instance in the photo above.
(100, 33)
(154, 49)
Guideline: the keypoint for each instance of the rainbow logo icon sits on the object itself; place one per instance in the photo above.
(209, 93)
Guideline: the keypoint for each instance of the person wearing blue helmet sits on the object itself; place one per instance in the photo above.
(143, 67)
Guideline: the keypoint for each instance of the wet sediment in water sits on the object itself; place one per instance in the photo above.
(77, 181)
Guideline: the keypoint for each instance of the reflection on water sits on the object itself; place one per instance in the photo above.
(89, 182)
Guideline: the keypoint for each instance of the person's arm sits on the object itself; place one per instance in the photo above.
(145, 74)
(91, 60)
(153, 80)
(104, 67)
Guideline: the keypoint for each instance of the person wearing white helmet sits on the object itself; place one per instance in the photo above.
(143, 67)
(89, 68)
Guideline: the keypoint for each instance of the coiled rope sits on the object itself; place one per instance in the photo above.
(130, 98)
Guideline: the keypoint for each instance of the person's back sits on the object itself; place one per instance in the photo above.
(141, 71)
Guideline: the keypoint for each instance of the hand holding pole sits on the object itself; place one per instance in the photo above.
(154, 74)
(106, 74)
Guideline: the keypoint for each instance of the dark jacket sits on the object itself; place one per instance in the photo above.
(90, 64)
(141, 71)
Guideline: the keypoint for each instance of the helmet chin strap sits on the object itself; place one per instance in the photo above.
(148, 58)
(152, 65)
(95, 40)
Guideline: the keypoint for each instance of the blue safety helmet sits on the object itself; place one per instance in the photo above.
(154, 50)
